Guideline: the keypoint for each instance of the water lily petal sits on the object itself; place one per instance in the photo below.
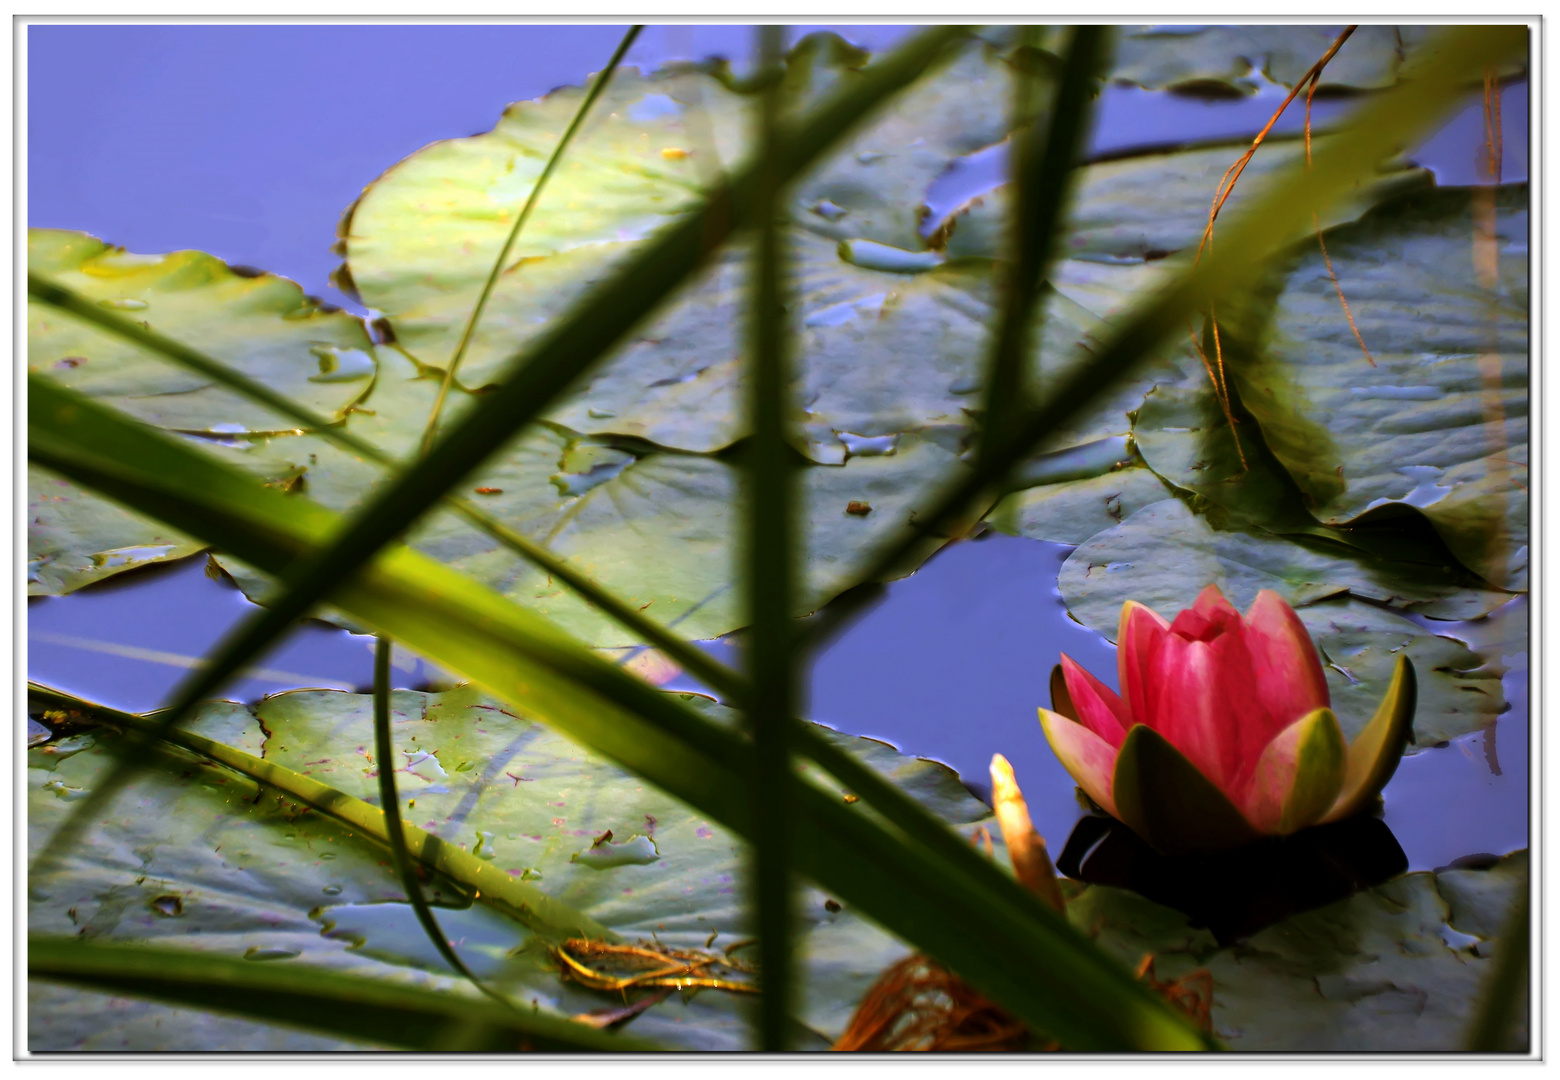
(1288, 670)
(1188, 705)
(1142, 632)
(1097, 706)
(1299, 775)
(1166, 799)
(1374, 754)
(1089, 759)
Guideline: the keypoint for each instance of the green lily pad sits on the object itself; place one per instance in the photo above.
(75, 538)
(418, 245)
(1072, 511)
(1163, 554)
(260, 324)
(1223, 60)
(658, 528)
(1439, 422)
(189, 855)
(1393, 968)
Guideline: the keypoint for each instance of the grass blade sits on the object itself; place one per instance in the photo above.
(894, 874)
(1042, 165)
(315, 998)
(770, 572)
(470, 328)
(1505, 986)
(390, 802)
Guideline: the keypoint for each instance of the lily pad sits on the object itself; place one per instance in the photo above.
(658, 528)
(866, 289)
(1392, 968)
(258, 875)
(261, 324)
(1437, 420)
(1072, 511)
(1226, 60)
(1164, 554)
(75, 538)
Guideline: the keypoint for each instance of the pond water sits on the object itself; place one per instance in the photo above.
(950, 664)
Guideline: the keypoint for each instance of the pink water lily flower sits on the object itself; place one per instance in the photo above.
(1222, 732)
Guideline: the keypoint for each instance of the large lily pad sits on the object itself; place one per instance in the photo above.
(198, 856)
(258, 323)
(419, 243)
(1440, 421)
(658, 528)
(1393, 968)
(1164, 555)
(261, 324)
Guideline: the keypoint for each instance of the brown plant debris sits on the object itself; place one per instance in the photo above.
(917, 1005)
(600, 965)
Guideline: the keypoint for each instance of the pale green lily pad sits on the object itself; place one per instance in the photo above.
(1440, 421)
(418, 241)
(75, 538)
(266, 878)
(657, 528)
(1394, 968)
(260, 324)
(1227, 59)
(1071, 512)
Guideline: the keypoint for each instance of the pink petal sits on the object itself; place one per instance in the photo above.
(1099, 708)
(1089, 759)
(1288, 671)
(1142, 633)
(1190, 707)
(1246, 725)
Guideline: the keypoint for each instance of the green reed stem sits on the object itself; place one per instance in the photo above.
(390, 801)
(1042, 163)
(1504, 987)
(771, 558)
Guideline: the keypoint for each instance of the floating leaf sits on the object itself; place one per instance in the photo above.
(75, 538)
(1164, 554)
(260, 324)
(1073, 511)
(654, 527)
(258, 871)
(1440, 421)
(1392, 968)
(1225, 60)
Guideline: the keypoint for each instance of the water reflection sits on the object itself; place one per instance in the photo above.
(1234, 894)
